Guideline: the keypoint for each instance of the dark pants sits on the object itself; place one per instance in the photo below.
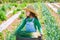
(17, 38)
(26, 36)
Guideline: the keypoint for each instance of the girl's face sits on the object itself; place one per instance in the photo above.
(27, 13)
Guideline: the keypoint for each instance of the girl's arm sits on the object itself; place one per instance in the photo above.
(38, 25)
(20, 26)
(13, 34)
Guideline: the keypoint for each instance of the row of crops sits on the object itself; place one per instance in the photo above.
(55, 7)
(52, 31)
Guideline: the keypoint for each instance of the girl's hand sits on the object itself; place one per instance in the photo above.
(41, 34)
(40, 37)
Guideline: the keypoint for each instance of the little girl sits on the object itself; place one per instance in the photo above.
(30, 23)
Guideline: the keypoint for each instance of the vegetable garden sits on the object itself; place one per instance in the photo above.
(11, 15)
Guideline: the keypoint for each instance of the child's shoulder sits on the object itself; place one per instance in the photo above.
(35, 19)
(24, 19)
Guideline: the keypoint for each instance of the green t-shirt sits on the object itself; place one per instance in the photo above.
(36, 24)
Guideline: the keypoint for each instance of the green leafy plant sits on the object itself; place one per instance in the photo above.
(14, 4)
(22, 15)
(15, 11)
(21, 6)
(3, 8)
(8, 6)
(1, 36)
(18, 9)
(2, 15)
